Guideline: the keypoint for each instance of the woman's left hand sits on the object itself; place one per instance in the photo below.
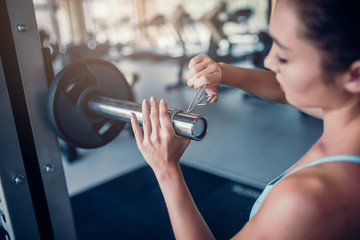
(159, 144)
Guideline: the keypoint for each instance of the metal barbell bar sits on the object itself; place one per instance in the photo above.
(185, 124)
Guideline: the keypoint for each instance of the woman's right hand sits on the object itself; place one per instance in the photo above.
(204, 71)
(158, 142)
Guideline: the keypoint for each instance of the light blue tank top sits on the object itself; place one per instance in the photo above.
(335, 158)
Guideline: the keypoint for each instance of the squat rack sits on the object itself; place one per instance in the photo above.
(34, 202)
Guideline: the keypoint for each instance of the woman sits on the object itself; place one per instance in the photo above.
(315, 66)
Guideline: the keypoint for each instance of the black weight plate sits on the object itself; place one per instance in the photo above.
(67, 99)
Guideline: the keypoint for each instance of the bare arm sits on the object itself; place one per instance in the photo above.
(162, 150)
(261, 83)
(186, 220)
(204, 71)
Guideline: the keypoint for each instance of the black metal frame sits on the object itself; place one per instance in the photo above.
(33, 194)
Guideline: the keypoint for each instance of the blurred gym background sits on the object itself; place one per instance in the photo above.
(113, 193)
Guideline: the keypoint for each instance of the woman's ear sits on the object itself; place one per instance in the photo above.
(353, 84)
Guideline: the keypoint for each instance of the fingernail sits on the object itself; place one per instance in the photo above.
(151, 99)
(144, 102)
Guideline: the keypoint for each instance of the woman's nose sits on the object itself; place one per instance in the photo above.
(270, 61)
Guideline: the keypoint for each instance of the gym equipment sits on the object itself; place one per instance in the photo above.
(90, 101)
(200, 99)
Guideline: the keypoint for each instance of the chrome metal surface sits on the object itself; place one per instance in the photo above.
(200, 99)
(186, 124)
(19, 179)
(21, 27)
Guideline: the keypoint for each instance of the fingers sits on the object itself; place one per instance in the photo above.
(198, 66)
(205, 79)
(195, 70)
(165, 120)
(150, 120)
(214, 99)
(139, 137)
(197, 77)
(211, 90)
(160, 148)
(204, 71)
(146, 118)
(197, 59)
(154, 115)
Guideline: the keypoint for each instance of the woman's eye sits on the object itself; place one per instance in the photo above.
(282, 60)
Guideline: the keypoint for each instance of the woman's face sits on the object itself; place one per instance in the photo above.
(297, 64)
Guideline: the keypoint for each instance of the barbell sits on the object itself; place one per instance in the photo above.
(89, 102)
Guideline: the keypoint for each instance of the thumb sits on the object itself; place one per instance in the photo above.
(211, 90)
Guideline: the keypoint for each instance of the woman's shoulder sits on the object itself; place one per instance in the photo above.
(324, 185)
(337, 174)
(328, 194)
(303, 193)
(316, 202)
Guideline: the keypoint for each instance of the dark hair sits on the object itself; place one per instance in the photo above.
(333, 27)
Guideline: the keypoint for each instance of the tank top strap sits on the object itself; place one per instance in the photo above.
(334, 158)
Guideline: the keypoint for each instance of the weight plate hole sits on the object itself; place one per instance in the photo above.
(83, 80)
(69, 87)
(105, 127)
